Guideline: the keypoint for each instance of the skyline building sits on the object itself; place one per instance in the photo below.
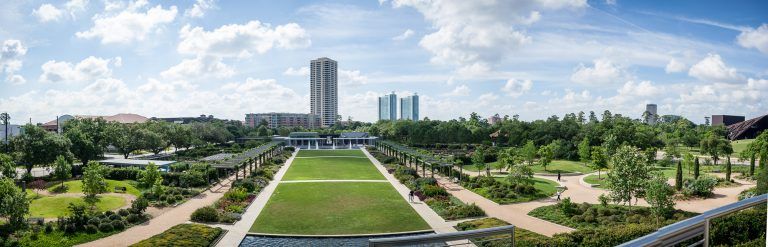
(409, 107)
(650, 115)
(388, 107)
(282, 119)
(323, 83)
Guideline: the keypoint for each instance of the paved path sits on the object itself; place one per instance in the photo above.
(178, 215)
(237, 232)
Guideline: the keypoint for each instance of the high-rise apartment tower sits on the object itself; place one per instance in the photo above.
(409, 107)
(323, 82)
(388, 107)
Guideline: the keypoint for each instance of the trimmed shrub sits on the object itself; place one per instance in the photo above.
(433, 191)
(123, 212)
(134, 218)
(118, 225)
(123, 173)
(105, 227)
(205, 214)
(88, 228)
(193, 235)
(236, 195)
(701, 187)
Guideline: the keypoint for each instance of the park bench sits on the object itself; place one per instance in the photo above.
(120, 189)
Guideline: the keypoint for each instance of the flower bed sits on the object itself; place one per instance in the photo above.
(183, 235)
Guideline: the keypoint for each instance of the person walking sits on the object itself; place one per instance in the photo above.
(558, 176)
(558, 195)
(410, 196)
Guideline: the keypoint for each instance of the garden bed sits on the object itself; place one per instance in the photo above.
(497, 189)
(188, 235)
(522, 237)
(585, 215)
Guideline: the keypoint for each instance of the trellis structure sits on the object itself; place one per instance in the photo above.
(246, 161)
(414, 157)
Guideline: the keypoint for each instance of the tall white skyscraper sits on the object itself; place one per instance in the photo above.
(409, 107)
(388, 107)
(324, 100)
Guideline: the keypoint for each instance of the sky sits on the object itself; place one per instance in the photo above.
(532, 58)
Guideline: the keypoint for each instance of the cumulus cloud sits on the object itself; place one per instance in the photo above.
(405, 35)
(603, 71)
(89, 68)
(303, 71)
(237, 40)
(130, 24)
(352, 78)
(479, 33)
(675, 66)
(460, 90)
(515, 88)
(755, 38)
(47, 12)
(199, 8)
(713, 69)
(198, 68)
(10, 60)
(643, 89)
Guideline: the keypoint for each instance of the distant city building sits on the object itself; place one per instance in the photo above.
(13, 130)
(726, 119)
(324, 90)
(650, 115)
(492, 120)
(57, 125)
(388, 107)
(280, 119)
(409, 107)
(748, 129)
(185, 120)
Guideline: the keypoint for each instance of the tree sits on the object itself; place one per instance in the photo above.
(518, 172)
(37, 186)
(715, 146)
(696, 168)
(93, 179)
(584, 152)
(37, 146)
(125, 138)
(528, 153)
(180, 136)
(688, 162)
(14, 204)
(7, 166)
(62, 170)
(478, 160)
(728, 170)
(679, 177)
(88, 138)
(659, 195)
(150, 176)
(599, 160)
(546, 154)
(629, 175)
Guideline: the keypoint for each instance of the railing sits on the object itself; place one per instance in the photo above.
(694, 227)
(450, 239)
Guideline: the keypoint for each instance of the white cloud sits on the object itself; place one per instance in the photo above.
(405, 35)
(47, 12)
(644, 89)
(89, 68)
(479, 33)
(352, 78)
(303, 71)
(755, 38)
(237, 40)
(713, 69)
(10, 60)
(486, 99)
(198, 68)
(130, 24)
(675, 66)
(604, 71)
(199, 8)
(460, 90)
(515, 88)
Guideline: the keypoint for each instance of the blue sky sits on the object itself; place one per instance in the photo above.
(534, 58)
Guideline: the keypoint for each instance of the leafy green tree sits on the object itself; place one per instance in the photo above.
(610, 144)
(679, 176)
(125, 138)
(180, 136)
(659, 195)
(150, 176)
(528, 153)
(715, 146)
(37, 146)
(688, 162)
(88, 138)
(599, 160)
(62, 169)
(499, 165)
(519, 173)
(7, 166)
(546, 153)
(478, 160)
(93, 179)
(14, 205)
(629, 175)
(156, 135)
(584, 153)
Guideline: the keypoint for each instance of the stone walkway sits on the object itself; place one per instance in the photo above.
(237, 232)
(178, 215)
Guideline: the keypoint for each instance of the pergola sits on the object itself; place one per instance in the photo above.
(312, 140)
(410, 156)
(247, 160)
(162, 164)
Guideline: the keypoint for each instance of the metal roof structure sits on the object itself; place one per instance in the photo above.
(133, 162)
(748, 129)
(238, 159)
(422, 155)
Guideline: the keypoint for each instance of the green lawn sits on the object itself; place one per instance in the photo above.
(325, 152)
(76, 186)
(328, 168)
(325, 208)
(564, 166)
(592, 179)
(740, 145)
(55, 206)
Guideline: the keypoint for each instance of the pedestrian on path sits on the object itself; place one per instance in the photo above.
(558, 195)
(410, 196)
(558, 176)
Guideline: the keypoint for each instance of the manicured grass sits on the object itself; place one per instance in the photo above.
(55, 206)
(328, 168)
(194, 235)
(740, 145)
(76, 186)
(319, 153)
(592, 179)
(563, 166)
(324, 208)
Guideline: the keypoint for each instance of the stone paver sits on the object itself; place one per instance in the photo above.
(237, 232)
